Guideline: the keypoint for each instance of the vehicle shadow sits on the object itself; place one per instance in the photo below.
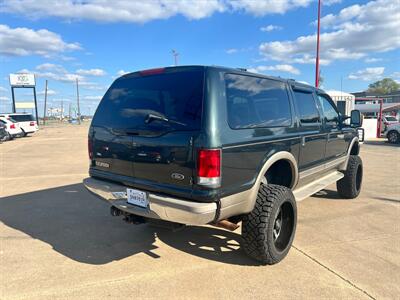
(381, 143)
(209, 243)
(327, 194)
(78, 225)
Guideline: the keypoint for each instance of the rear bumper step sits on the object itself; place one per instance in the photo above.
(160, 207)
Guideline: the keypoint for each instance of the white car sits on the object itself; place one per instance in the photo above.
(27, 122)
(12, 127)
(387, 121)
(393, 133)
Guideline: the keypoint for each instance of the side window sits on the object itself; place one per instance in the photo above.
(330, 114)
(307, 107)
(256, 102)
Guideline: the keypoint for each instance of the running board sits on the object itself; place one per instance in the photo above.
(317, 185)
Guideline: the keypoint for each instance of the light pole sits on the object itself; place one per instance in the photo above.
(317, 57)
(77, 100)
(45, 104)
(175, 54)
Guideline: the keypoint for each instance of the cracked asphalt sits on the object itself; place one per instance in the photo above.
(57, 241)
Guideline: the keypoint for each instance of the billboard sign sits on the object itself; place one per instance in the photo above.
(24, 105)
(22, 80)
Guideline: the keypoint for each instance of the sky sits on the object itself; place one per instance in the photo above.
(97, 40)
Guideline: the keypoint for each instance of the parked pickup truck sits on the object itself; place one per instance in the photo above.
(212, 145)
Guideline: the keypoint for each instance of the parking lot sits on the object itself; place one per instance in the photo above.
(59, 241)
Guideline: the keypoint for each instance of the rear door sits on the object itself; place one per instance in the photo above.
(145, 125)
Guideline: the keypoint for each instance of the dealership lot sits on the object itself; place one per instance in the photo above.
(59, 241)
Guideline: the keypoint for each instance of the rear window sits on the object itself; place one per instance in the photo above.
(8, 119)
(256, 102)
(176, 96)
(22, 118)
(307, 107)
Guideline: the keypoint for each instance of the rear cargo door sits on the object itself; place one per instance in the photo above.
(112, 151)
(154, 117)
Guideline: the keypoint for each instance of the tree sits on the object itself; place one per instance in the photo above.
(384, 86)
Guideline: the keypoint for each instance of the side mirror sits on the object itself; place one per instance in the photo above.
(355, 118)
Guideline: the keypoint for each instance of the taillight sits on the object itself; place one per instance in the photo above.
(12, 126)
(209, 167)
(90, 148)
(32, 124)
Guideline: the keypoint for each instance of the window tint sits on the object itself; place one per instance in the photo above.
(307, 107)
(176, 96)
(330, 113)
(256, 102)
(22, 118)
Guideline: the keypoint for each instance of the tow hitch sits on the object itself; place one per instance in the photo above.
(129, 218)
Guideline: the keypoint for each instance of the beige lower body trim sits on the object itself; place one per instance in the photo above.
(326, 166)
(238, 204)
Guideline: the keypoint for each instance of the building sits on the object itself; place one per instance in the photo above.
(344, 101)
(371, 110)
(391, 98)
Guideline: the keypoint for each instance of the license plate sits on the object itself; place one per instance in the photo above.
(137, 197)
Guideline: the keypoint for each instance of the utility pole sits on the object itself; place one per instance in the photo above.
(35, 99)
(317, 57)
(69, 111)
(62, 111)
(175, 55)
(45, 104)
(77, 99)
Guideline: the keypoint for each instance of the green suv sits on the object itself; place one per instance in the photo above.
(212, 145)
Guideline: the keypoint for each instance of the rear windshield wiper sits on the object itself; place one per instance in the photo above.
(152, 117)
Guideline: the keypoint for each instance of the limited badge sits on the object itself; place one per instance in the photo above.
(102, 164)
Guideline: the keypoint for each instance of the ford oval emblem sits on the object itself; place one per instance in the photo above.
(177, 176)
